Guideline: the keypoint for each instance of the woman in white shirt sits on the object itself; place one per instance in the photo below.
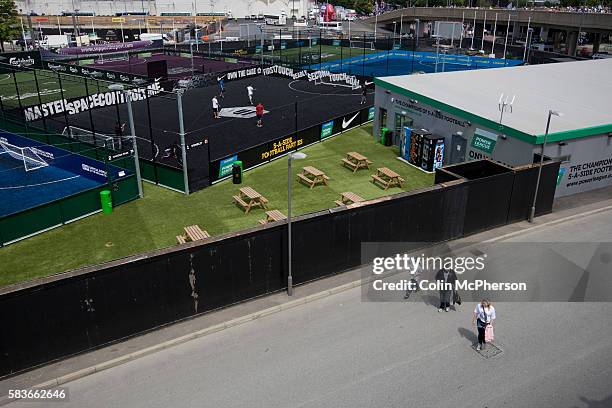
(484, 315)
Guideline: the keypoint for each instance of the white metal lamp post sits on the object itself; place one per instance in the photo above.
(290, 157)
(535, 195)
(128, 99)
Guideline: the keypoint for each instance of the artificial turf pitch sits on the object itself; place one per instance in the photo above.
(154, 221)
(44, 86)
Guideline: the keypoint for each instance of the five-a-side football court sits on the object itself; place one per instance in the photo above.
(157, 123)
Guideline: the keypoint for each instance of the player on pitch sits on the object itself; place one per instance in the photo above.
(221, 84)
(259, 111)
(250, 90)
(215, 107)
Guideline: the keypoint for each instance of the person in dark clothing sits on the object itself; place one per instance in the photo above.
(119, 128)
(364, 94)
(446, 278)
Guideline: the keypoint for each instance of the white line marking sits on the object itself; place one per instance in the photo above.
(38, 184)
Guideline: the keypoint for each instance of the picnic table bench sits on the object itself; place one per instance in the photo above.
(273, 215)
(192, 233)
(387, 178)
(248, 198)
(356, 161)
(349, 198)
(312, 176)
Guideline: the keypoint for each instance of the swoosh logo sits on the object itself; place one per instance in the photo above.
(368, 83)
(345, 122)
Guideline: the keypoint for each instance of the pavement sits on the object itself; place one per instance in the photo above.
(333, 349)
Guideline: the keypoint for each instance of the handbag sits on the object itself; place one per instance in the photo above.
(489, 335)
(456, 298)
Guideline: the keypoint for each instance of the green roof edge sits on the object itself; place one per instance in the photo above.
(506, 130)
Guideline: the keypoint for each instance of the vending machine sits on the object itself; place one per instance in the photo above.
(433, 152)
(405, 143)
(416, 145)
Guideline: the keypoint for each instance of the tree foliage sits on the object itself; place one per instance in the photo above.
(9, 23)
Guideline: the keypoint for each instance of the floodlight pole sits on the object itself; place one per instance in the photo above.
(462, 29)
(179, 101)
(128, 98)
(473, 32)
(506, 40)
(484, 26)
(494, 32)
(525, 50)
(535, 195)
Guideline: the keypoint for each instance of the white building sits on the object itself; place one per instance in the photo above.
(238, 8)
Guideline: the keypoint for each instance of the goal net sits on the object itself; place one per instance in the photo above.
(368, 45)
(26, 155)
(116, 56)
(96, 139)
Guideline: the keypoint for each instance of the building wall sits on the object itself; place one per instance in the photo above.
(586, 163)
(238, 8)
(509, 151)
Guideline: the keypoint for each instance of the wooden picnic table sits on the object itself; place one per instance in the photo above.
(273, 215)
(387, 178)
(192, 233)
(356, 161)
(349, 198)
(248, 198)
(312, 176)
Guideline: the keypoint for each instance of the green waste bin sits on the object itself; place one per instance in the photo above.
(106, 201)
(383, 135)
(237, 172)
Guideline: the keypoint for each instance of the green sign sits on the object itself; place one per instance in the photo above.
(326, 129)
(484, 141)
(371, 113)
(225, 167)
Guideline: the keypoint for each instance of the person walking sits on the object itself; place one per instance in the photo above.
(484, 315)
(215, 107)
(259, 111)
(446, 278)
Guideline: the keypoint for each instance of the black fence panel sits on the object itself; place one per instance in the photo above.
(524, 188)
(98, 305)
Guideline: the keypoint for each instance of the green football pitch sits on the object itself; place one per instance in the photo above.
(44, 86)
(311, 55)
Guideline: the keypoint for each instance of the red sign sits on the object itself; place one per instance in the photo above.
(40, 19)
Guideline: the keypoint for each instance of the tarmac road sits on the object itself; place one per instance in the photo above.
(343, 352)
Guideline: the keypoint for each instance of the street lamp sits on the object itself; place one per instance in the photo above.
(535, 195)
(530, 37)
(394, 26)
(290, 157)
(128, 98)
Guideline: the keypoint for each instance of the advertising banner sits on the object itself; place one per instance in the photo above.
(94, 73)
(105, 48)
(327, 129)
(81, 104)
(25, 59)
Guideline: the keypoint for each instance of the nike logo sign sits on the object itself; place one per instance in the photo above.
(345, 122)
(221, 77)
(368, 83)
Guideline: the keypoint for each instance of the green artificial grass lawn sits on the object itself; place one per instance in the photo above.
(311, 54)
(154, 221)
(48, 84)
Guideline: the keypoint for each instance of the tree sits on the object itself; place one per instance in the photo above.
(8, 21)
